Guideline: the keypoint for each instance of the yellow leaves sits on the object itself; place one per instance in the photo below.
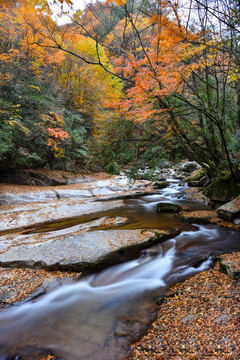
(92, 89)
(117, 2)
(14, 119)
(34, 87)
(17, 123)
(234, 74)
(53, 119)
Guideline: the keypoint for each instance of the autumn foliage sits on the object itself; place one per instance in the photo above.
(150, 63)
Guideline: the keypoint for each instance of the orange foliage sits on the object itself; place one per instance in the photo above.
(157, 64)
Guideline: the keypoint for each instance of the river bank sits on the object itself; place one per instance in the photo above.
(198, 319)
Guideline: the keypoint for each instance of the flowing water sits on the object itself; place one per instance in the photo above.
(97, 317)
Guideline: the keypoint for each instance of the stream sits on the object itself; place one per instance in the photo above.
(97, 317)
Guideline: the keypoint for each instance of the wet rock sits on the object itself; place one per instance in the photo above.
(160, 185)
(168, 207)
(189, 166)
(229, 210)
(25, 215)
(127, 195)
(78, 252)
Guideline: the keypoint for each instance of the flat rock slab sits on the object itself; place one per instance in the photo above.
(78, 252)
(26, 197)
(25, 215)
(12, 194)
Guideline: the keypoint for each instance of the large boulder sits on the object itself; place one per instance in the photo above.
(198, 178)
(222, 191)
(230, 210)
(189, 166)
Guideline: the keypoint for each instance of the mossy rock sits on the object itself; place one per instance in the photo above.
(168, 207)
(196, 175)
(160, 185)
(222, 190)
(198, 178)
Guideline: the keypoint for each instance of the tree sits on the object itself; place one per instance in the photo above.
(181, 78)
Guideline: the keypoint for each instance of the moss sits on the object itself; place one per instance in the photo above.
(160, 185)
(159, 235)
(222, 190)
(196, 175)
(225, 175)
(168, 207)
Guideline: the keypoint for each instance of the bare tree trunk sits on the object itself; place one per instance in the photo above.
(238, 104)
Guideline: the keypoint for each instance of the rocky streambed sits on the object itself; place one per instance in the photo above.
(50, 238)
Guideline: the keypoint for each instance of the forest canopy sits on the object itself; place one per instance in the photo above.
(120, 84)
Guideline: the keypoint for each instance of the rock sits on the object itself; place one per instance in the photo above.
(20, 179)
(195, 194)
(229, 264)
(165, 171)
(188, 318)
(198, 217)
(78, 180)
(160, 185)
(143, 175)
(78, 252)
(46, 178)
(222, 318)
(222, 191)
(102, 191)
(73, 193)
(26, 197)
(168, 207)
(189, 166)
(127, 195)
(198, 178)
(165, 164)
(25, 215)
(236, 221)
(229, 210)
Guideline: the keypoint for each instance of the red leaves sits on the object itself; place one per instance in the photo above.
(58, 133)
